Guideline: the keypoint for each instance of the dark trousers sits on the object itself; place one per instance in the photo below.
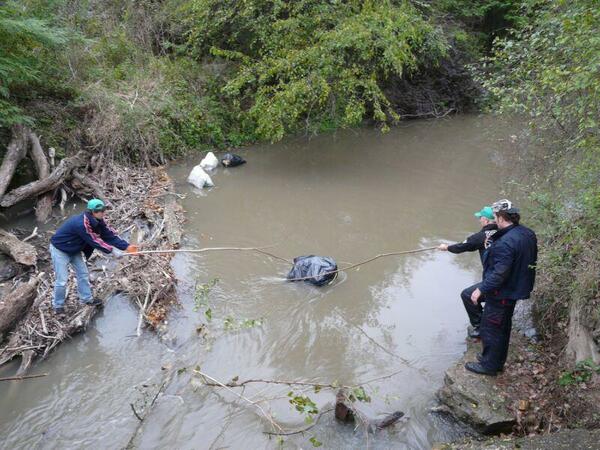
(496, 324)
(474, 311)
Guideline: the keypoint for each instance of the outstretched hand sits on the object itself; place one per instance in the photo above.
(475, 296)
(132, 249)
(443, 247)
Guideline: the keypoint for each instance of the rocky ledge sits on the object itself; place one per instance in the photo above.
(477, 399)
(561, 440)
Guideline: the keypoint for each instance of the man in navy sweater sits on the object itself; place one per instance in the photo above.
(508, 276)
(78, 236)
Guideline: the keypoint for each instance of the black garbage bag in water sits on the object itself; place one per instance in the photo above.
(232, 160)
(319, 268)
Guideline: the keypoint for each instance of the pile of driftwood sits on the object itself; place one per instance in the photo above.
(143, 208)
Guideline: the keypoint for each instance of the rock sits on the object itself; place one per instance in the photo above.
(561, 440)
(210, 162)
(8, 268)
(476, 399)
(199, 178)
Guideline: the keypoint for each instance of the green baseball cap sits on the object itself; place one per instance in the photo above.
(96, 204)
(486, 212)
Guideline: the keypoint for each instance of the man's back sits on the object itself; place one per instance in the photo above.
(509, 265)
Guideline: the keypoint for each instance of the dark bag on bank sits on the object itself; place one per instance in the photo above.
(232, 160)
(318, 268)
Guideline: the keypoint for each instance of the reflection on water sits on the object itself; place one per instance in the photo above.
(350, 196)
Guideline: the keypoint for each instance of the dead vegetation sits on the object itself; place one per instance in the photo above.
(143, 208)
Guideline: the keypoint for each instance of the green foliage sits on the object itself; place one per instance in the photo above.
(582, 373)
(548, 73)
(358, 393)
(300, 64)
(201, 293)
(315, 442)
(304, 405)
(232, 324)
(28, 51)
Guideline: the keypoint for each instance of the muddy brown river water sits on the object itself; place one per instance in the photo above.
(349, 195)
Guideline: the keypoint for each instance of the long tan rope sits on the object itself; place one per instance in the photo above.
(366, 261)
(212, 249)
(262, 251)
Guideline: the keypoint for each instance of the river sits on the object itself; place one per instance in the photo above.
(349, 195)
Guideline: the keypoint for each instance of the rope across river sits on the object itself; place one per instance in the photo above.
(262, 251)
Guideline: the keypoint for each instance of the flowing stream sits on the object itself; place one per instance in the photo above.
(349, 195)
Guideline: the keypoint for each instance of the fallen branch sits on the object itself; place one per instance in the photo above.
(43, 209)
(33, 234)
(288, 383)
(302, 430)
(142, 312)
(23, 377)
(15, 152)
(16, 303)
(35, 188)
(267, 416)
(20, 251)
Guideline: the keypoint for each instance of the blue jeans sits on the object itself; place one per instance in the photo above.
(61, 261)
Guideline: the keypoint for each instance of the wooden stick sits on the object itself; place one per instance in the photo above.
(246, 399)
(302, 430)
(212, 249)
(23, 377)
(142, 312)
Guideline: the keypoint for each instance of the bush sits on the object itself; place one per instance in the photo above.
(548, 73)
(308, 64)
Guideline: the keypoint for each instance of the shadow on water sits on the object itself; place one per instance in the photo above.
(349, 195)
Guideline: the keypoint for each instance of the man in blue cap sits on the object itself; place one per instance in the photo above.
(508, 276)
(78, 236)
(479, 241)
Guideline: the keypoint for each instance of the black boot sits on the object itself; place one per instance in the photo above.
(479, 369)
(480, 357)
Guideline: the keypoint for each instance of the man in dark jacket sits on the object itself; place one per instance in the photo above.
(508, 276)
(479, 241)
(78, 236)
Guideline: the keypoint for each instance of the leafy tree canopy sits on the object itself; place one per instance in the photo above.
(309, 63)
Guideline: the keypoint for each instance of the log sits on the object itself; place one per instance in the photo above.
(15, 304)
(15, 152)
(89, 184)
(172, 225)
(20, 251)
(35, 188)
(43, 208)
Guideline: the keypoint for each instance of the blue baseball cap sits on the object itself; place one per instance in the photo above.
(96, 205)
(486, 212)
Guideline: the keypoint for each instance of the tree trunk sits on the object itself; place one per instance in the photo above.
(43, 208)
(35, 188)
(15, 152)
(15, 304)
(20, 251)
